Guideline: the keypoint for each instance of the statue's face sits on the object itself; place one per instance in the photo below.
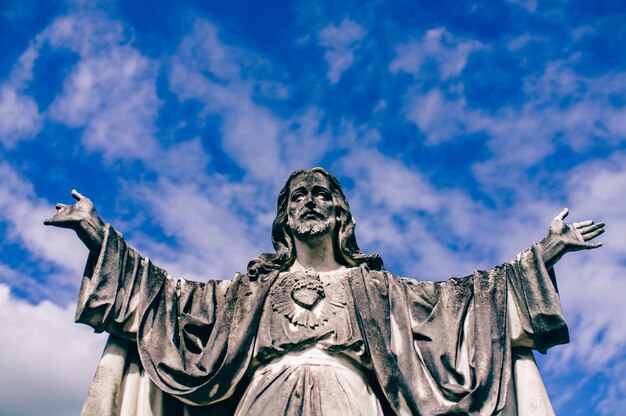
(311, 206)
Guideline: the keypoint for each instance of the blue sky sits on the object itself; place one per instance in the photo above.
(457, 129)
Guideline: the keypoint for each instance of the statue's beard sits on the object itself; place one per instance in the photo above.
(310, 227)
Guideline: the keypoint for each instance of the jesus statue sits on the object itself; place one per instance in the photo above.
(318, 328)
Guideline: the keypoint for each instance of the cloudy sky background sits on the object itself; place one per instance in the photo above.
(457, 129)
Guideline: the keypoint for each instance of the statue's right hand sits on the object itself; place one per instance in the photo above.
(82, 218)
(72, 216)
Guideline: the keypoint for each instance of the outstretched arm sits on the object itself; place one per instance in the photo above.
(83, 219)
(563, 238)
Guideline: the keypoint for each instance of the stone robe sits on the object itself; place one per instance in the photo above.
(435, 348)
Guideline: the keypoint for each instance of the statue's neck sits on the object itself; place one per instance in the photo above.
(315, 253)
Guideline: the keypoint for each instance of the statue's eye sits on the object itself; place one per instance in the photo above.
(323, 194)
(297, 197)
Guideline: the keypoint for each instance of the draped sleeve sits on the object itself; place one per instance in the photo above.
(192, 339)
(465, 338)
(537, 304)
(186, 340)
(117, 286)
(447, 346)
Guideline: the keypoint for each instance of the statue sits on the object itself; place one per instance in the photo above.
(318, 327)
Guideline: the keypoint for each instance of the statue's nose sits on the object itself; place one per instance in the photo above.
(310, 203)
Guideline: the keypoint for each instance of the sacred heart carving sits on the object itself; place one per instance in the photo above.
(308, 290)
(307, 298)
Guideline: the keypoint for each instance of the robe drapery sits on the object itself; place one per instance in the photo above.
(434, 348)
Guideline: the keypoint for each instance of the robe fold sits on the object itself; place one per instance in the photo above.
(434, 348)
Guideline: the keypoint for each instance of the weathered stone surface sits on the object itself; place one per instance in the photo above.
(317, 327)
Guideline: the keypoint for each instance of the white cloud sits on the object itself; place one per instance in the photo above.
(258, 140)
(213, 238)
(47, 361)
(85, 33)
(22, 72)
(202, 50)
(19, 116)
(24, 214)
(249, 131)
(184, 160)
(438, 47)
(562, 107)
(519, 42)
(340, 42)
(593, 284)
(303, 145)
(415, 225)
(439, 118)
(555, 83)
(111, 92)
(592, 287)
(390, 183)
(579, 107)
(41, 285)
(612, 397)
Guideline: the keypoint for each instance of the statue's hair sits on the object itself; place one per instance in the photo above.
(346, 251)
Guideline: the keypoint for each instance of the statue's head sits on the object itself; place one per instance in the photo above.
(330, 214)
(311, 207)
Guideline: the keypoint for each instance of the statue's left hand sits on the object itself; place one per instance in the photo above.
(82, 218)
(563, 238)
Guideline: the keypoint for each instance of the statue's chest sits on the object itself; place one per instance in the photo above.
(308, 308)
(308, 301)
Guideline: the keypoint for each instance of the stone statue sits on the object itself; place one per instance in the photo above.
(318, 328)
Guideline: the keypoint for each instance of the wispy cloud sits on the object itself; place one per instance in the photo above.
(596, 282)
(612, 399)
(19, 113)
(111, 92)
(439, 118)
(439, 50)
(19, 116)
(340, 41)
(23, 213)
(44, 356)
(562, 108)
(258, 140)
(408, 220)
(212, 238)
(249, 131)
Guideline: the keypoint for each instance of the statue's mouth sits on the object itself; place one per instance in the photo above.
(311, 215)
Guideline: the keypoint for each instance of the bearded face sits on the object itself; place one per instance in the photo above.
(311, 206)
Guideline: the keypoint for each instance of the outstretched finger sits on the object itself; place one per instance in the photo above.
(77, 195)
(587, 230)
(582, 224)
(60, 206)
(593, 245)
(593, 234)
(562, 214)
(50, 221)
